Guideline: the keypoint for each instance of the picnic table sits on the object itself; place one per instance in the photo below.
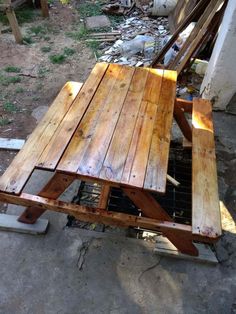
(115, 130)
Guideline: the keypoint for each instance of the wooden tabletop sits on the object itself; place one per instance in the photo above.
(124, 135)
(116, 128)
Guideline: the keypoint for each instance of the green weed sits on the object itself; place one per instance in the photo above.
(78, 35)
(4, 121)
(9, 107)
(90, 9)
(38, 30)
(19, 90)
(46, 49)
(27, 40)
(12, 69)
(57, 59)
(23, 15)
(7, 80)
(69, 51)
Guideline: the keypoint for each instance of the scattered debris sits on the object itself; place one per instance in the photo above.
(140, 39)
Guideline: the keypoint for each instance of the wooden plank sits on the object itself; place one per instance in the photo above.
(53, 152)
(44, 8)
(164, 247)
(11, 143)
(182, 122)
(194, 44)
(17, 174)
(80, 141)
(53, 189)
(147, 204)
(104, 196)
(135, 167)
(156, 173)
(96, 151)
(112, 168)
(14, 25)
(206, 218)
(185, 105)
(189, 18)
(92, 214)
(193, 34)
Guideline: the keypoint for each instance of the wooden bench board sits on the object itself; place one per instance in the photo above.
(18, 173)
(206, 220)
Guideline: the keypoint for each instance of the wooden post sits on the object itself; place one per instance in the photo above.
(182, 122)
(53, 189)
(14, 25)
(105, 191)
(44, 8)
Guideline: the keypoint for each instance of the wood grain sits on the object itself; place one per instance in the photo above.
(95, 153)
(113, 165)
(53, 152)
(17, 174)
(206, 218)
(156, 173)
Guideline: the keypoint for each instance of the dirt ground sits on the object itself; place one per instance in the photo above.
(23, 102)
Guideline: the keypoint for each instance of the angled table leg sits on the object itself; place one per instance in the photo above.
(103, 200)
(150, 208)
(53, 189)
(182, 122)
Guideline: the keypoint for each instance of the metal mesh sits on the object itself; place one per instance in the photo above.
(176, 201)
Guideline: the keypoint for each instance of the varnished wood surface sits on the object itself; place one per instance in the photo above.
(17, 174)
(206, 220)
(124, 135)
(116, 128)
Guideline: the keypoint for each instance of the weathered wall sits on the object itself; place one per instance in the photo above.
(219, 84)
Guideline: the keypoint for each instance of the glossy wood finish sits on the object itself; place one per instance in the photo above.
(206, 220)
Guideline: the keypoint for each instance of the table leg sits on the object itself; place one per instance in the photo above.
(103, 200)
(151, 209)
(53, 189)
(182, 122)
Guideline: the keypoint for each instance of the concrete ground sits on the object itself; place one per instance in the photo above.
(70, 271)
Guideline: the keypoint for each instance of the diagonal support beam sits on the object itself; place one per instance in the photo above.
(53, 189)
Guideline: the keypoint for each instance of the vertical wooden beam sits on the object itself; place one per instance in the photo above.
(53, 189)
(105, 191)
(44, 8)
(14, 25)
(182, 122)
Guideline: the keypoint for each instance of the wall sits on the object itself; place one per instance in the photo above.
(219, 84)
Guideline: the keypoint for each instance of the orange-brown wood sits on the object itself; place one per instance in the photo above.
(18, 173)
(185, 105)
(53, 189)
(104, 196)
(54, 150)
(136, 162)
(96, 151)
(156, 172)
(183, 123)
(147, 204)
(206, 220)
(113, 165)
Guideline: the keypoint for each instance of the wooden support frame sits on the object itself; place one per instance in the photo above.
(182, 121)
(14, 25)
(53, 189)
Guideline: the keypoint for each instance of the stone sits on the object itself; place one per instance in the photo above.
(97, 21)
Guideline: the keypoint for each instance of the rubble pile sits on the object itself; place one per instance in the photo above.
(140, 38)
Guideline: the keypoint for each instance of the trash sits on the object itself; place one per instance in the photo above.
(137, 45)
(140, 38)
(163, 7)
